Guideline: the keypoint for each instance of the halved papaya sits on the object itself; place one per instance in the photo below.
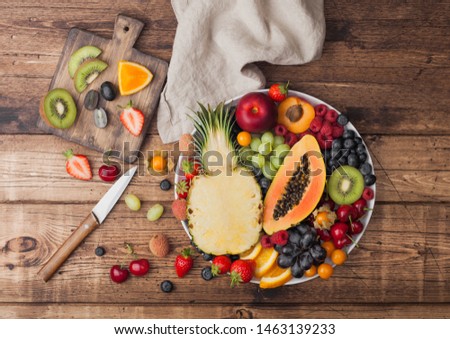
(297, 187)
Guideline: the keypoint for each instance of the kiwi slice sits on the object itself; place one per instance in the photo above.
(87, 73)
(345, 185)
(81, 55)
(58, 108)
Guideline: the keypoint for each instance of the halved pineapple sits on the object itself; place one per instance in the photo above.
(224, 206)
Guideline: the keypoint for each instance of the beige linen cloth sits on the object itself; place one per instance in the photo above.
(218, 40)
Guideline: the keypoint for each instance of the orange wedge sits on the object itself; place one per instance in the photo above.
(133, 77)
(252, 253)
(276, 277)
(265, 260)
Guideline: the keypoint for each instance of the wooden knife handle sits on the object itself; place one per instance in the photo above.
(57, 259)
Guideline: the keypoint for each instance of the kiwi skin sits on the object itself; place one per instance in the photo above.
(80, 76)
(349, 197)
(70, 120)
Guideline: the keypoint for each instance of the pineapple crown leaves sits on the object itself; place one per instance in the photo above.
(213, 124)
(236, 279)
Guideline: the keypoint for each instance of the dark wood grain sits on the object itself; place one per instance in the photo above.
(384, 63)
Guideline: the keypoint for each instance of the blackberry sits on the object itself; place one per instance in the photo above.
(342, 120)
(369, 179)
(207, 274)
(100, 251)
(166, 286)
(365, 168)
(348, 134)
(165, 185)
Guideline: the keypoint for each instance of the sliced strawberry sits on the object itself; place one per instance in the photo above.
(132, 119)
(77, 166)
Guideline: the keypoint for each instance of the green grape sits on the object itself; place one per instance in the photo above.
(281, 151)
(254, 145)
(265, 148)
(258, 160)
(133, 202)
(267, 137)
(155, 212)
(246, 153)
(276, 162)
(278, 140)
(268, 171)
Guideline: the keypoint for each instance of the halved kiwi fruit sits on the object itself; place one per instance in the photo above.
(345, 185)
(58, 109)
(87, 73)
(81, 55)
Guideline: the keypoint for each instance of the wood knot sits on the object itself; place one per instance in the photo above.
(20, 245)
(10, 266)
(243, 313)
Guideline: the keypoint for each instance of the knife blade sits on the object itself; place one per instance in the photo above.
(91, 222)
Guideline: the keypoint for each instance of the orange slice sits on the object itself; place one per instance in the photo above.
(276, 277)
(133, 77)
(265, 260)
(252, 253)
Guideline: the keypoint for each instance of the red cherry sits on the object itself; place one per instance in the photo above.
(323, 234)
(360, 205)
(356, 227)
(330, 204)
(118, 274)
(108, 172)
(139, 267)
(368, 193)
(338, 230)
(345, 212)
(340, 243)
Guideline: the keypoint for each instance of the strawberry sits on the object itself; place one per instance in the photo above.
(221, 265)
(77, 165)
(132, 119)
(190, 169)
(182, 189)
(241, 272)
(184, 262)
(278, 92)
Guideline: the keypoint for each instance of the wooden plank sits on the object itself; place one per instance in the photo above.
(242, 311)
(425, 177)
(403, 257)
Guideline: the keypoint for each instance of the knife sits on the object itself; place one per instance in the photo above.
(90, 223)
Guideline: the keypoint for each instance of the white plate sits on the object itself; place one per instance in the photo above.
(370, 204)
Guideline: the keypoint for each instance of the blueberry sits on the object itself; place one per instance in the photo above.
(257, 172)
(296, 270)
(353, 160)
(165, 185)
(349, 143)
(348, 134)
(358, 140)
(288, 249)
(108, 91)
(342, 160)
(318, 253)
(333, 164)
(294, 237)
(264, 183)
(352, 151)
(305, 260)
(207, 273)
(264, 191)
(369, 179)
(278, 248)
(327, 155)
(207, 256)
(307, 241)
(337, 144)
(100, 251)
(362, 157)
(365, 168)
(303, 228)
(285, 261)
(342, 120)
(360, 149)
(234, 257)
(166, 286)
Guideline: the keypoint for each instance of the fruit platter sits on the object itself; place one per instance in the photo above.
(277, 182)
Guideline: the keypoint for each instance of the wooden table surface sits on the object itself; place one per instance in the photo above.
(385, 63)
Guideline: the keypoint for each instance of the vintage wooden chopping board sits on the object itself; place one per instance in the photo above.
(115, 136)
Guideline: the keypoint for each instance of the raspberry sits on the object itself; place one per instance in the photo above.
(265, 241)
(331, 116)
(324, 141)
(321, 110)
(368, 194)
(307, 132)
(338, 130)
(316, 124)
(290, 139)
(326, 129)
(281, 130)
(280, 238)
